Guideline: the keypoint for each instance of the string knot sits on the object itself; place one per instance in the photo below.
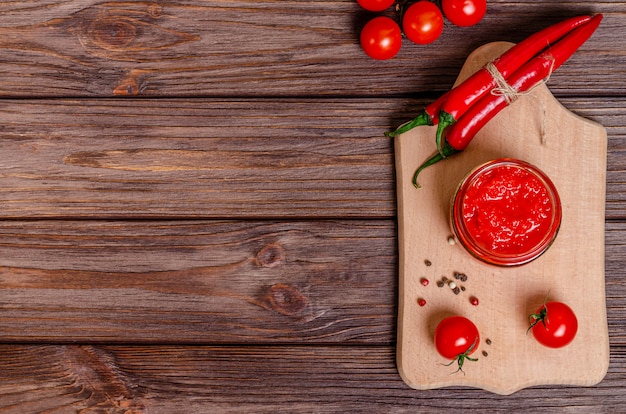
(510, 94)
(502, 87)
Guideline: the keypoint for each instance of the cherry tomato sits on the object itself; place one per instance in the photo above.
(422, 22)
(381, 38)
(375, 5)
(554, 325)
(464, 12)
(456, 337)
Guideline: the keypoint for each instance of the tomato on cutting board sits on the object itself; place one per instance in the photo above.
(456, 338)
(554, 324)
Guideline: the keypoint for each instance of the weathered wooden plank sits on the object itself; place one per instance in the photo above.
(223, 158)
(222, 282)
(195, 159)
(217, 282)
(161, 379)
(251, 48)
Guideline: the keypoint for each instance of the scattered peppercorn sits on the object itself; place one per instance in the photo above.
(428, 262)
(456, 290)
(485, 353)
(440, 283)
(462, 288)
(424, 281)
(474, 301)
(488, 341)
(451, 241)
(460, 276)
(452, 285)
(421, 301)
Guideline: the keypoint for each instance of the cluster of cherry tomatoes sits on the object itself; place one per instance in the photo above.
(422, 23)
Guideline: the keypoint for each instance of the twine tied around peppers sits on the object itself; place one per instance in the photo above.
(510, 94)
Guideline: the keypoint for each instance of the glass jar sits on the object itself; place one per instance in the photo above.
(506, 212)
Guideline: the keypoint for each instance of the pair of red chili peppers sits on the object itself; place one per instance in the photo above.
(461, 112)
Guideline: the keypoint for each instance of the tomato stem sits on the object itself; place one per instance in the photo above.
(535, 318)
(461, 358)
(542, 316)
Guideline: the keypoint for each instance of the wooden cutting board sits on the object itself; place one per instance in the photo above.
(572, 151)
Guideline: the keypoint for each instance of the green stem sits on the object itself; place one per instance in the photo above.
(422, 119)
(445, 119)
(461, 358)
(542, 316)
(535, 318)
(446, 152)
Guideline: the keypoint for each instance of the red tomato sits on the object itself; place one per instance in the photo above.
(422, 22)
(456, 338)
(381, 38)
(464, 12)
(375, 5)
(554, 325)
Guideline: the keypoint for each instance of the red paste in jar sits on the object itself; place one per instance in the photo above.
(507, 210)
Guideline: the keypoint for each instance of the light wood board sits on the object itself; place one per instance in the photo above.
(572, 151)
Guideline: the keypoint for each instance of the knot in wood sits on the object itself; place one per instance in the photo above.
(113, 33)
(155, 10)
(286, 299)
(270, 255)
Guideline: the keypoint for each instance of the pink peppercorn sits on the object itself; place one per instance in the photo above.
(424, 281)
(421, 301)
(474, 301)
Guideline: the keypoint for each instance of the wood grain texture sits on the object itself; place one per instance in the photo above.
(244, 48)
(218, 282)
(190, 282)
(158, 379)
(223, 158)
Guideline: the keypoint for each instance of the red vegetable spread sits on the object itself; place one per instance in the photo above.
(507, 210)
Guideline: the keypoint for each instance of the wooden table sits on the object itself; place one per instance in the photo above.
(198, 204)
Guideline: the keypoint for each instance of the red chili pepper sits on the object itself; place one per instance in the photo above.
(459, 135)
(456, 137)
(481, 82)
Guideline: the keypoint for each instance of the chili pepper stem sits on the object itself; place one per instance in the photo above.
(422, 119)
(445, 119)
(447, 152)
